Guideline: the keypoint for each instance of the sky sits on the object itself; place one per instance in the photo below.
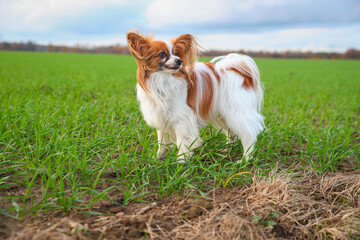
(270, 25)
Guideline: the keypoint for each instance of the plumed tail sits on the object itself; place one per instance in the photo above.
(245, 67)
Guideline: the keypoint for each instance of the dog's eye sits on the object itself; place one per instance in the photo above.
(162, 54)
(176, 54)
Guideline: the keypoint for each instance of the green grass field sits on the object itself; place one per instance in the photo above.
(71, 133)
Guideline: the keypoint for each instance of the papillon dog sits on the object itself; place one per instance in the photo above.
(179, 95)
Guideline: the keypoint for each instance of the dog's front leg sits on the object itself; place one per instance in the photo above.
(187, 138)
(163, 141)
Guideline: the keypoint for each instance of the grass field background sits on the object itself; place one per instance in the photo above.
(71, 132)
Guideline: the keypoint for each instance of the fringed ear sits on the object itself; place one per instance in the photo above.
(141, 78)
(187, 48)
(139, 46)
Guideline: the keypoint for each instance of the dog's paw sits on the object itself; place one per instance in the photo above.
(161, 153)
(181, 159)
(225, 150)
(245, 158)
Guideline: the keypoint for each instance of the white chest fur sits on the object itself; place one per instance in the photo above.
(166, 104)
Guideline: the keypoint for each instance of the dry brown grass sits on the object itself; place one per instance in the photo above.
(341, 188)
(306, 206)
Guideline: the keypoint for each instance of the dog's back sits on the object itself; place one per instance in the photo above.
(229, 95)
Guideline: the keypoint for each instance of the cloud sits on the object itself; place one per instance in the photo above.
(175, 13)
(227, 24)
(304, 39)
(219, 16)
(42, 16)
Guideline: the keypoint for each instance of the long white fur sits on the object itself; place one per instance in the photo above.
(235, 110)
(239, 107)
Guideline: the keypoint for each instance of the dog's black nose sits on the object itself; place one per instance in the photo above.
(178, 61)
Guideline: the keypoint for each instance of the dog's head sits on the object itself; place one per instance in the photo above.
(162, 56)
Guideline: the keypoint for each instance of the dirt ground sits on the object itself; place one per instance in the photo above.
(282, 206)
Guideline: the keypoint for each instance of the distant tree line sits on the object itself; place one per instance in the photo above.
(123, 49)
(31, 46)
(348, 54)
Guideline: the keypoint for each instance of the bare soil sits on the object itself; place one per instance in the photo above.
(282, 206)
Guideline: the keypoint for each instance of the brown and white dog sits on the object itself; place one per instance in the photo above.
(178, 95)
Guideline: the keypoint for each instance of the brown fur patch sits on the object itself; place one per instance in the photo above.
(182, 73)
(192, 89)
(212, 68)
(244, 70)
(207, 98)
(206, 102)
